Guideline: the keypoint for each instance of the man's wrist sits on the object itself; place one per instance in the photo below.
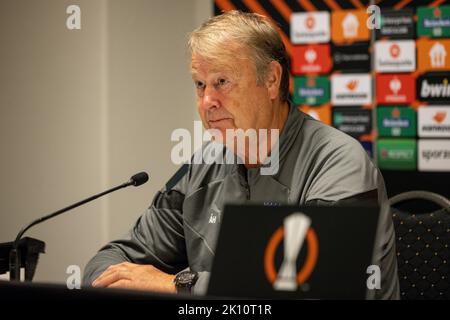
(172, 286)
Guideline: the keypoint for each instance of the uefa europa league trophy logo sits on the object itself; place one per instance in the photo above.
(295, 228)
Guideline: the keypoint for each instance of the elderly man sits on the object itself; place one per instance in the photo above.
(241, 73)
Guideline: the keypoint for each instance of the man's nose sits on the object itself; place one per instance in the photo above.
(210, 98)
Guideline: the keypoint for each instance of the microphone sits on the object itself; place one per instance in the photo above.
(139, 179)
(14, 256)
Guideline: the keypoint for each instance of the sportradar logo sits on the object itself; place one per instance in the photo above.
(295, 230)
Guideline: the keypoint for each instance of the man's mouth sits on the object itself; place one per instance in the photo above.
(216, 121)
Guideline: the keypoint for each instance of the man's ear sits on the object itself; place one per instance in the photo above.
(273, 79)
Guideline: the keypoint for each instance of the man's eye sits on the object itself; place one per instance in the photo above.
(199, 85)
(222, 82)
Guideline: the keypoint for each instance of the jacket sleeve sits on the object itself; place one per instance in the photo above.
(157, 238)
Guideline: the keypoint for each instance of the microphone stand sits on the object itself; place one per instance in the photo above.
(14, 255)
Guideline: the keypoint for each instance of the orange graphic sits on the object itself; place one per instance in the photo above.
(433, 55)
(321, 113)
(395, 113)
(225, 5)
(436, 3)
(310, 22)
(332, 4)
(401, 4)
(439, 116)
(310, 261)
(307, 5)
(348, 26)
(437, 13)
(352, 84)
(394, 50)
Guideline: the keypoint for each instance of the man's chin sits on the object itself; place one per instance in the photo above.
(219, 134)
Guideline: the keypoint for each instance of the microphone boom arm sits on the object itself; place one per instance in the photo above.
(14, 257)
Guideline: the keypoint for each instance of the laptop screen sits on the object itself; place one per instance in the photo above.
(294, 252)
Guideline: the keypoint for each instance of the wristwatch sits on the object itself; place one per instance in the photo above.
(185, 280)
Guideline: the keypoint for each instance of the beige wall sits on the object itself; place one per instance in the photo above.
(81, 111)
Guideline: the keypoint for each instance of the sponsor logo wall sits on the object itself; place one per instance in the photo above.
(388, 87)
(412, 95)
(331, 65)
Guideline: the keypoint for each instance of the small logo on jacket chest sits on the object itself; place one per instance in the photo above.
(271, 204)
(213, 218)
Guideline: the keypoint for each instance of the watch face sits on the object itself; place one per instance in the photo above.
(186, 278)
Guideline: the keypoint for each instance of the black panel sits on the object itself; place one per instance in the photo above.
(239, 5)
(293, 4)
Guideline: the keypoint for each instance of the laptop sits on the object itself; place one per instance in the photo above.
(294, 252)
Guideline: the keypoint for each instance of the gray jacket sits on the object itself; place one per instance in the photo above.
(318, 165)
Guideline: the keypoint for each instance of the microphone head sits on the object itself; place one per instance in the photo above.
(139, 179)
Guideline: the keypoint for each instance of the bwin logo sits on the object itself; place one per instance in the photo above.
(435, 90)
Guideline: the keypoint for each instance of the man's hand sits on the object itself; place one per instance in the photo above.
(135, 276)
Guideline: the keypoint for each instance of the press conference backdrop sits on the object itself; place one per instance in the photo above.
(388, 87)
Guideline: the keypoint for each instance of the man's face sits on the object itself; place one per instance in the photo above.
(228, 96)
